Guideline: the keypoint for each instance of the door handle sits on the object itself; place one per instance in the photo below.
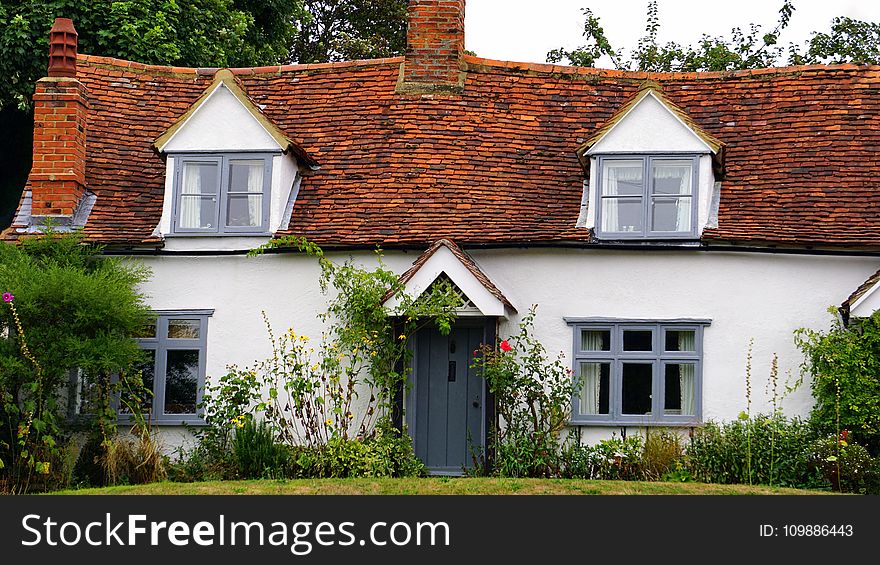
(476, 403)
(451, 374)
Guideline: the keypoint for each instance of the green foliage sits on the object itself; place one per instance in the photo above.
(532, 402)
(72, 310)
(844, 364)
(848, 41)
(199, 33)
(255, 452)
(610, 459)
(847, 466)
(339, 30)
(769, 450)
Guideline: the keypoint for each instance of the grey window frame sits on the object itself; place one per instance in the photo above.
(220, 208)
(161, 344)
(647, 195)
(657, 357)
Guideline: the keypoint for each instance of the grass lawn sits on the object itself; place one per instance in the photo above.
(437, 486)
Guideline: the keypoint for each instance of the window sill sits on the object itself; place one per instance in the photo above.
(191, 422)
(214, 234)
(634, 423)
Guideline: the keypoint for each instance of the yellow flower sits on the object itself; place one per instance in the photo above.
(329, 422)
(349, 415)
(401, 337)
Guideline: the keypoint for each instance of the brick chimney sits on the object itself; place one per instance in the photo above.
(434, 45)
(57, 178)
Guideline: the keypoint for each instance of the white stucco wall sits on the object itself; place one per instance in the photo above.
(757, 296)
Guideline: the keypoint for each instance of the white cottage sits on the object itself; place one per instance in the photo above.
(661, 222)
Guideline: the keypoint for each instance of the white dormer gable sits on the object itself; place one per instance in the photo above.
(651, 173)
(230, 171)
(650, 127)
(446, 260)
(221, 123)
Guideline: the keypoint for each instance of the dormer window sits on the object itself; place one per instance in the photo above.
(647, 197)
(652, 173)
(231, 171)
(222, 193)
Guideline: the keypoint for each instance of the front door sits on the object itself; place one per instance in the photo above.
(446, 412)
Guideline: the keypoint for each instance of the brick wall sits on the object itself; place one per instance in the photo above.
(435, 41)
(58, 174)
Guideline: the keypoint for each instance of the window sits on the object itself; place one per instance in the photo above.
(647, 197)
(175, 368)
(637, 372)
(222, 194)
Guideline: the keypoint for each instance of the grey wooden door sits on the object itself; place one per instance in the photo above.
(447, 394)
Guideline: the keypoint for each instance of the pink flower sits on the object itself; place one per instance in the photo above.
(505, 347)
(7, 297)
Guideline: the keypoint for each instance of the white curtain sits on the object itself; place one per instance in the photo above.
(687, 376)
(591, 377)
(615, 177)
(255, 201)
(591, 373)
(190, 208)
(682, 173)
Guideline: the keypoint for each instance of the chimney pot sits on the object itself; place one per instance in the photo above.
(62, 49)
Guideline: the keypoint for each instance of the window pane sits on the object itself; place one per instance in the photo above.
(244, 210)
(246, 176)
(622, 215)
(680, 389)
(148, 373)
(672, 177)
(596, 340)
(636, 390)
(638, 340)
(87, 394)
(623, 178)
(671, 214)
(146, 332)
(181, 381)
(198, 212)
(681, 340)
(183, 329)
(595, 390)
(199, 178)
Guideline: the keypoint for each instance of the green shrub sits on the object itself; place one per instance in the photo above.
(758, 450)
(844, 364)
(256, 454)
(532, 403)
(847, 466)
(610, 459)
(662, 454)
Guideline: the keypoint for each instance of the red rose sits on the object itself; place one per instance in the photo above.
(505, 347)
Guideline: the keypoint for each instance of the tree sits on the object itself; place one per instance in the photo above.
(65, 308)
(332, 30)
(187, 33)
(849, 41)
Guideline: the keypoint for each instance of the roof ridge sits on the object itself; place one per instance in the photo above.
(270, 69)
(551, 68)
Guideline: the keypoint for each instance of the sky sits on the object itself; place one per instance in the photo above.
(525, 30)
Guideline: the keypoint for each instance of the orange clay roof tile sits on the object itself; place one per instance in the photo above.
(496, 164)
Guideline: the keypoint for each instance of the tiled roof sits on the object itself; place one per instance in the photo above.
(870, 283)
(496, 165)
